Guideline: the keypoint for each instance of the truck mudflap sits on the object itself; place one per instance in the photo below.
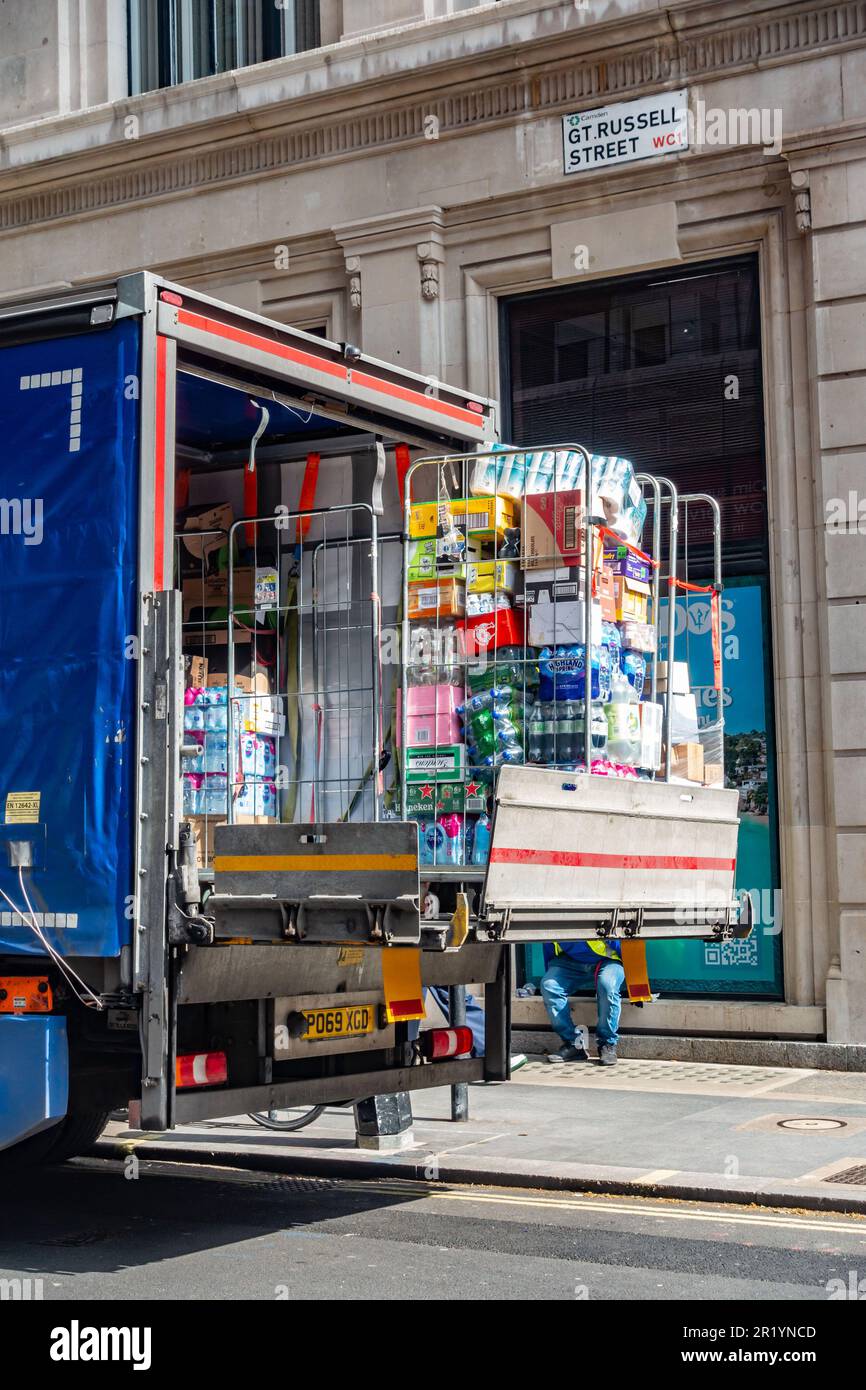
(34, 1075)
(588, 856)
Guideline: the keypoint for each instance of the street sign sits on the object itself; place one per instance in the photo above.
(626, 131)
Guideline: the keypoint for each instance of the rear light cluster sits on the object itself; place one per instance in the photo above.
(200, 1069)
(25, 994)
(437, 1043)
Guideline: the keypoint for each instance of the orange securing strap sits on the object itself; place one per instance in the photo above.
(636, 974)
(715, 621)
(308, 494)
(641, 554)
(403, 459)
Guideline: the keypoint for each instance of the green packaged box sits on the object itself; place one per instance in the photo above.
(443, 764)
(426, 560)
(444, 798)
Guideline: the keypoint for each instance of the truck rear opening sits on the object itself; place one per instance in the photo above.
(288, 588)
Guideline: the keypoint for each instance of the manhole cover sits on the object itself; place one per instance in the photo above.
(812, 1122)
(855, 1176)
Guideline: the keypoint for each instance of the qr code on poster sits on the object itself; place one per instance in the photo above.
(732, 953)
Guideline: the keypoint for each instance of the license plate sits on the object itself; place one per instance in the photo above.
(346, 1022)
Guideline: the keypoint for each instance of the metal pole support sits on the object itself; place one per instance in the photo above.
(384, 1122)
(457, 1019)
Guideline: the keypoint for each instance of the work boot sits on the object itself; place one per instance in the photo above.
(568, 1053)
(607, 1055)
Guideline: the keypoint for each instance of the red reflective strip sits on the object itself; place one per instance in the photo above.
(404, 393)
(335, 369)
(568, 859)
(403, 1008)
(255, 340)
(159, 468)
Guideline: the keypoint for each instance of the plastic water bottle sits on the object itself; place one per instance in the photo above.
(481, 840)
(541, 733)
(567, 749)
(623, 722)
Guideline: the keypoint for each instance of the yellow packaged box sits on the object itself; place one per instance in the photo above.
(476, 516)
(438, 598)
(489, 576)
(631, 597)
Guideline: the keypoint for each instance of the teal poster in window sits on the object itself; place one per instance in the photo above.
(754, 966)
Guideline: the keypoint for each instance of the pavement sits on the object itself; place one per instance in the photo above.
(777, 1136)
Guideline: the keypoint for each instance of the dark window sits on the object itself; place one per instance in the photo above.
(172, 41)
(664, 369)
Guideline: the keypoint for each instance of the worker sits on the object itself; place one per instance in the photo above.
(569, 967)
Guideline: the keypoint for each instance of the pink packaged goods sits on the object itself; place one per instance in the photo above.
(431, 715)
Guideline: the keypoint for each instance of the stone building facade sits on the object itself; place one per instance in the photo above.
(395, 184)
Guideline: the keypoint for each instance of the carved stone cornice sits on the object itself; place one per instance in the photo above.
(543, 86)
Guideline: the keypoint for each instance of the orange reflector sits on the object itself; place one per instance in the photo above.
(401, 976)
(25, 994)
(446, 1042)
(200, 1069)
(636, 974)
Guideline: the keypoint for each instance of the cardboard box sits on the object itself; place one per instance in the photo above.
(651, 719)
(435, 765)
(431, 715)
(631, 597)
(504, 628)
(198, 549)
(687, 761)
(554, 624)
(427, 559)
(473, 516)
(618, 559)
(553, 530)
(203, 828)
(492, 576)
(681, 684)
(639, 637)
(714, 775)
(194, 672)
(213, 592)
(566, 583)
(437, 598)
(257, 711)
(445, 798)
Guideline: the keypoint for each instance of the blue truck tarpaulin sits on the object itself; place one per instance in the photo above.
(69, 422)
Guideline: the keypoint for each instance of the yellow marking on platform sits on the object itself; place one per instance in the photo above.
(312, 863)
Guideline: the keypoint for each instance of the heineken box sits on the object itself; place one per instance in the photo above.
(443, 764)
(443, 798)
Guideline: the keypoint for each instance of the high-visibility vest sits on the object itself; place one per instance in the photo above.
(601, 948)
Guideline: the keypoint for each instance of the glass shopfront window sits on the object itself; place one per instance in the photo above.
(665, 369)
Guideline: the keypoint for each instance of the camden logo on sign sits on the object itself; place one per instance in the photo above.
(627, 131)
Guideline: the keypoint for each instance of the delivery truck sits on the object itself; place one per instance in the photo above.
(260, 786)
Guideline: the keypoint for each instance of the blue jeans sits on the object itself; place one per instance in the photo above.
(474, 1016)
(564, 977)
